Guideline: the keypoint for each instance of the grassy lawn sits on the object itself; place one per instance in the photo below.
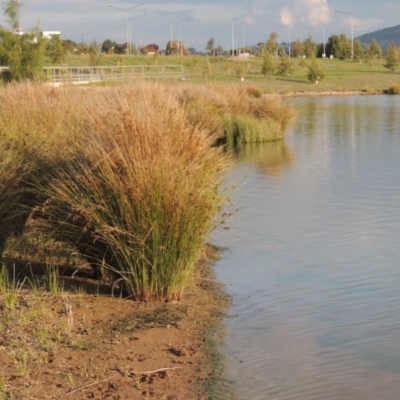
(339, 75)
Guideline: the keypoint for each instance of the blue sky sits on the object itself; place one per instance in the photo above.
(89, 19)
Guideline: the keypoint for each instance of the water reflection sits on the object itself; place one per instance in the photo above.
(314, 257)
(269, 158)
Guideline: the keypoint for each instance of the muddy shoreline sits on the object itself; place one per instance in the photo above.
(83, 343)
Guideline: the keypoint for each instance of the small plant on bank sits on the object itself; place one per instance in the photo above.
(52, 279)
(315, 72)
(10, 287)
(285, 66)
(392, 58)
(241, 69)
(394, 89)
(268, 64)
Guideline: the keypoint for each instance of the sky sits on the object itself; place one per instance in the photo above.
(195, 21)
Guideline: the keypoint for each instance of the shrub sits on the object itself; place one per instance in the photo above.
(285, 66)
(140, 193)
(392, 58)
(315, 72)
(394, 89)
(268, 65)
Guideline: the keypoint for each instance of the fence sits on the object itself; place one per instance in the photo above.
(60, 75)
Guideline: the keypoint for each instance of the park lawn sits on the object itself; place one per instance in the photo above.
(340, 75)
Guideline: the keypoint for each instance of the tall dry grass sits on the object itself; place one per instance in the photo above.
(140, 192)
(129, 176)
(32, 138)
(237, 114)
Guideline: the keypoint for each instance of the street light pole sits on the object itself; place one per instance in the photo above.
(233, 32)
(126, 10)
(352, 31)
(173, 23)
(130, 28)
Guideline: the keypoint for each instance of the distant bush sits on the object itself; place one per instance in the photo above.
(315, 73)
(394, 89)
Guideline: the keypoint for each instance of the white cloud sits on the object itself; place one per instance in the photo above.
(317, 12)
(287, 17)
(313, 12)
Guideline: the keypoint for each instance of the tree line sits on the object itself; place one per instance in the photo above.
(25, 54)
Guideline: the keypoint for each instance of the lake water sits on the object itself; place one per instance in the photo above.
(314, 257)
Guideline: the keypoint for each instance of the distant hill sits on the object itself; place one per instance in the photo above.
(385, 37)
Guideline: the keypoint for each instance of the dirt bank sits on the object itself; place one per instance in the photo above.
(82, 343)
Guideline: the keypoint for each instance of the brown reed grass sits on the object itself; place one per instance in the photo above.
(129, 176)
(237, 114)
(141, 192)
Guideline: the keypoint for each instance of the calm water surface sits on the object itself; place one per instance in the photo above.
(314, 257)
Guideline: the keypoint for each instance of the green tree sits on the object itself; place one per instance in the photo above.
(297, 49)
(339, 47)
(56, 50)
(358, 51)
(268, 65)
(285, 66)
(374, 49)
(211, 46)
(24, 53)
(95, 56)
(70, 46)
(315, 72)
(392, 58)
(332, 46)
(272, 45)
(310, 47)
(343, 49)
(107, 45)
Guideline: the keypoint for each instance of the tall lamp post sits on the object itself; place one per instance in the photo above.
(173, 23)
(127, 23)
(233, 32)
(130, 28)
(352, 31)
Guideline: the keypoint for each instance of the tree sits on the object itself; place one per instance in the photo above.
(23, 53)
(315, 72)
(272, 45)
(70, 46)
(211, 46)
(297, 49)
(95, 57)
(285, 66)
(268, 65)
(332, 46)
(56, 50)
(107, 46)
(310, 48)
(343, 50)
(392, 58)
(339, 47)
(374, 49)
(358, 51)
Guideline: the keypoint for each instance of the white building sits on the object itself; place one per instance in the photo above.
(51, 34)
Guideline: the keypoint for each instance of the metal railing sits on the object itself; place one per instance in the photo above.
(61, 75)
